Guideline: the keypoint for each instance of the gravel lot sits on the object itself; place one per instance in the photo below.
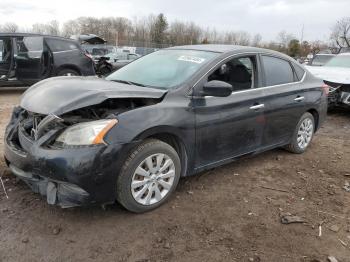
(226, 214)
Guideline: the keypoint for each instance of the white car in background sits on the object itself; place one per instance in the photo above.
(336, 74)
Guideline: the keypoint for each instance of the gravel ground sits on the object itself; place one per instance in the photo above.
(232, 213)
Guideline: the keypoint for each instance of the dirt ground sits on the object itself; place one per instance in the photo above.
(226, 214)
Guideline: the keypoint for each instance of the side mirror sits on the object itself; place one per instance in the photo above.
(217, 88)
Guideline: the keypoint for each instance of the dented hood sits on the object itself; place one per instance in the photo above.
(59, 95)
(339, 75)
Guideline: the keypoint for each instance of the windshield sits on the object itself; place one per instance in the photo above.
(163, 69)
(320, 60)
(339, 61)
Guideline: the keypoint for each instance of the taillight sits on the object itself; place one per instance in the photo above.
(325, 89)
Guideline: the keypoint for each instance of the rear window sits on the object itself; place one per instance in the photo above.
(57, 45)
(277, 71)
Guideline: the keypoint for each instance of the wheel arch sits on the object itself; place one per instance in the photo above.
(171, 137)
(67, 66)
(316, 116)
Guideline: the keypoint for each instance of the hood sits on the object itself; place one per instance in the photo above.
(339, 75)
(59, 95)
(90, 39)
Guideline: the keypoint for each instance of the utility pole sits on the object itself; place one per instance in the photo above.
(302, 34)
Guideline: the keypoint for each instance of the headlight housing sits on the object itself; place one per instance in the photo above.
(87, 133)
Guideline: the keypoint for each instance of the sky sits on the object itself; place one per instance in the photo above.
(267, 17)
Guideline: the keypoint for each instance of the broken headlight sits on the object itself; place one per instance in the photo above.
(87, 133)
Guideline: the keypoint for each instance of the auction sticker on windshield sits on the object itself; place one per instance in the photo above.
(191, 59)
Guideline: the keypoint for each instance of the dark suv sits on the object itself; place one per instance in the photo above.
(28, 58)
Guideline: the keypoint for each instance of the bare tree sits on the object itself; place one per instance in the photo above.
(341, 32)
(50, 28)
(256, 41)
(9, 28)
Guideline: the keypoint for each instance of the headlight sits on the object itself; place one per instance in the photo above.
(88, 133)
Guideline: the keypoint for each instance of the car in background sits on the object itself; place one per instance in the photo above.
(336, 74)
(320, 59)
(120, 59)
(28, 58)
(114, 61)
(176, 112)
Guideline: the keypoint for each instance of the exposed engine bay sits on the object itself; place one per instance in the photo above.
(339, 94)
(36, 125)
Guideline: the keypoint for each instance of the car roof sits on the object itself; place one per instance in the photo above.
(34, 34)
(219, 48)
(325, 54)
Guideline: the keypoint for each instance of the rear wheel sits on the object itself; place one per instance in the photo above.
(149, 176)
(68, 72)
(303, 134)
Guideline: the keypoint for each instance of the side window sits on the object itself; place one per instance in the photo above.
(277, 71)
(30, 47)
(239, 72)
(299, 71)
(5, 50)
(57, 45)
(132, 57)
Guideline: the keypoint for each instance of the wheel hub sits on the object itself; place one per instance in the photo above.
(153, 179)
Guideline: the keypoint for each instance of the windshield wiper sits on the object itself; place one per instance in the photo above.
(128, 82)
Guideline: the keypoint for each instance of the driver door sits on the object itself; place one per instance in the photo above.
(29, 56)
(227, 127)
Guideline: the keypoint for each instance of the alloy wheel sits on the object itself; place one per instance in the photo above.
(153, 179)
(305, 133)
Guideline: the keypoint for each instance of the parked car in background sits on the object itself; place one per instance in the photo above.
(120, 59)
(29, 58)
(114, 61)
(175, 112)
(320, 59)
(336, 74)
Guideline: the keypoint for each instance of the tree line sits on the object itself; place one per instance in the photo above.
(156, 31)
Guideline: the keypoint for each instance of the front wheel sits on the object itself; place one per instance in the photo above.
(303, 134)
(149, 176)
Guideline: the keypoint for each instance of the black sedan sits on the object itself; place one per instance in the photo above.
(172, 113)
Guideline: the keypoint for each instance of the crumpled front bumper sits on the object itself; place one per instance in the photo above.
(67, 177)
(56, 192)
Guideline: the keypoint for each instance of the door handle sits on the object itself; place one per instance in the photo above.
(299, 98)
(256, 107)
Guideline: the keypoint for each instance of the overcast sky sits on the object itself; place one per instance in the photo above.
(267, 17)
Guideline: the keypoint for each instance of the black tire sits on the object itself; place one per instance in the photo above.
(105, 70)
(139, 154)
(294, 147)
(68, 72)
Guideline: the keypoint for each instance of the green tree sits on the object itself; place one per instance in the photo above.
(158, 29)
(294, 48)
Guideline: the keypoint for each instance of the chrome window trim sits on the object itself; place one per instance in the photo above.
(252, 89)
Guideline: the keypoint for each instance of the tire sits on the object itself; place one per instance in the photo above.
(296, 146)
(150, 194)
(105, 70)
(68, 72)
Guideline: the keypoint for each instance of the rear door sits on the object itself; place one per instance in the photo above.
(231, 126)
(284, 99)
(29, 57)
(6, 56)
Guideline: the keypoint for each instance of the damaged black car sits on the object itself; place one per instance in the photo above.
(173, 113)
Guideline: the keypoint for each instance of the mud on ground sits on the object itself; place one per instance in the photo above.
(226, 214)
